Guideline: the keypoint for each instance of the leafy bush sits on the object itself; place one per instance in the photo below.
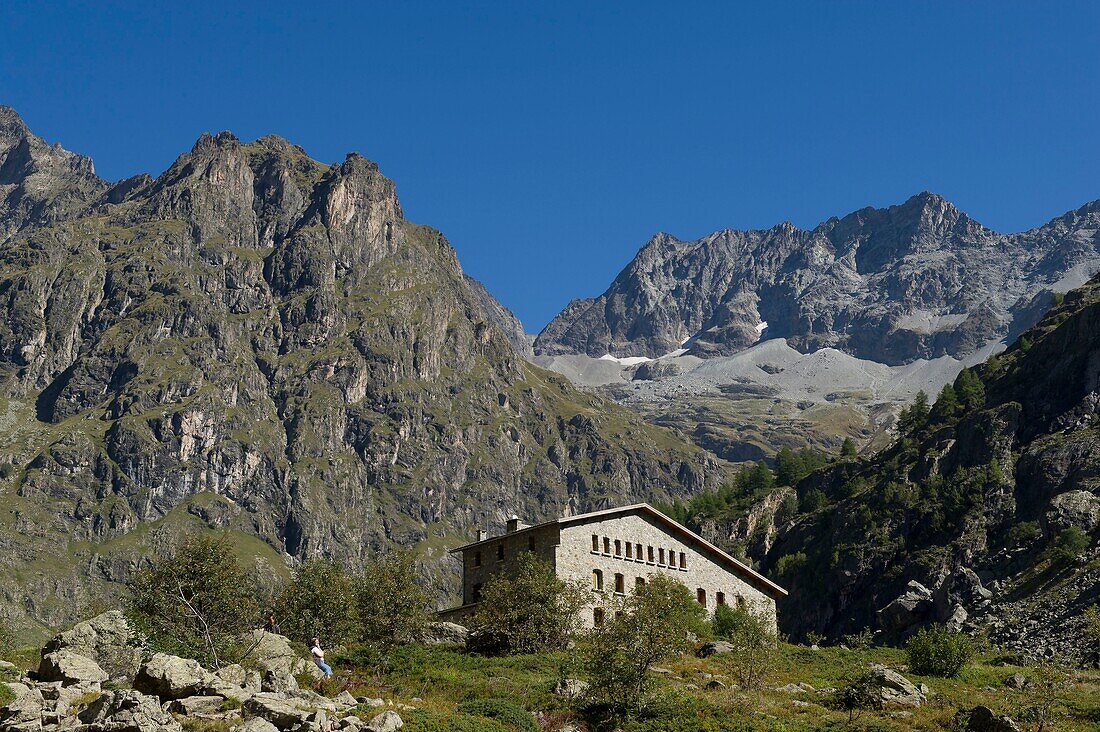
(392, 607)
(859, 693)
(938, 651)
(530, 611)
(860, 641)
(812, 500)
(788, 564)
(753, 655)
(504, 711)
(653, 624)
(1069, 544)
(318, 602)
(196, 602)
(1024, 532)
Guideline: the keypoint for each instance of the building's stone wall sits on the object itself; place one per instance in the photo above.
(570, 550)
(543, 540)
(577, 560)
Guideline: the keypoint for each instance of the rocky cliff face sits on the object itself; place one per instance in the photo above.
(259, 342)
(963, 518)
(919, 280)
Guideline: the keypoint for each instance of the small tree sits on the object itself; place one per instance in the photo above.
(970, 390)
(531, 610)
(848, 448)
(938, 651)
(319, 601)
(1039, 697)
(655, 623)
(392, 607)
(196, 602)
(858, 694)
(753, 653)
(946, 406)
(914, 417)
(1069, 544)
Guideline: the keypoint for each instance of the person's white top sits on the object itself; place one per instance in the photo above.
(317, 653)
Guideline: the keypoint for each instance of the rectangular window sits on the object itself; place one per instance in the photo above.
(720, 598)
(531, 544)
(595, 543)
(606, 545)
(500, 552)
(629, 550)
(639, 583)
(701, 596)
(618, 548)
(476, 597)
(683, 560)
(620, 584)
(597, 580)
(638, 552)
(649, 554)
(477, 559)
(660, 556)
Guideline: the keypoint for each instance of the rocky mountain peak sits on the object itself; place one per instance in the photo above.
(916, 280)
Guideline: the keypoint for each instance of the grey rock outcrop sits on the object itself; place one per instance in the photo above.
(984, 719)
(107, 639)
(387, 721)
(893, 688)
(908, 609)
(446, 634)
(1073, 509)
(128, 710)
(916, 280)
(70, 668)
(172, 677)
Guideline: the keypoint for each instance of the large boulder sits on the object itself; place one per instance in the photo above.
(571, 688)
(714, 648)
(107, 639)
(893, 688)
(277, 709)
(1073, 509)
(273, 652)
(386, 722)
(445, 634)
(24, 713)
(172, 677)
(70, 668)
(982, 719)
(257, 724)
(910, 608)
(127, 710)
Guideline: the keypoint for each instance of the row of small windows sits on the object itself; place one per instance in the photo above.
(639, 582)
(500, 552)
(634, 552)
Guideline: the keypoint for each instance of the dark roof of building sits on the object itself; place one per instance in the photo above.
(753, 577)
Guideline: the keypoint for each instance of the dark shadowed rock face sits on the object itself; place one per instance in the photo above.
(258, 342)
(919, 280)
(960, 521)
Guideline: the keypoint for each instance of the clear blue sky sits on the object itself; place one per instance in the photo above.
(548, 141)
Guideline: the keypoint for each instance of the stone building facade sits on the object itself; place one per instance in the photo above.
(613, 552)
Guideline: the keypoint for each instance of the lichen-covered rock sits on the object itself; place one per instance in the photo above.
(893, 688)
(446, 634)
(172, 677)
(277, 709)
(1074, 509)
(127, 710)
(387, 721)
(70, 668)
(107, 639)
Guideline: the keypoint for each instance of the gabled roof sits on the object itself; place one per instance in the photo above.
(750, 575)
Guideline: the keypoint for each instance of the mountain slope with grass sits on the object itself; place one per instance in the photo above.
(258, 342)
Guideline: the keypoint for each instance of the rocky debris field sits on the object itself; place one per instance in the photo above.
(98, 678)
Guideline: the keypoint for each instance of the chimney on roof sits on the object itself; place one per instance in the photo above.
(513, 525)
(482, 534)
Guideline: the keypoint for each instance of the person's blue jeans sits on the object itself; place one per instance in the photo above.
(325, 667)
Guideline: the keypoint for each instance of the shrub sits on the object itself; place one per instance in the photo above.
(860, 641)
(318, 602)
(392, 607)
(423, 720)
(1024, 532)
(938, 651)
(530, 611)
(813, 500)
(753, 655)
(848, 448)
(788, 564)
(858, 694)
(1069, 544)
(656, 623)
(195, 602)
(504, 711)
